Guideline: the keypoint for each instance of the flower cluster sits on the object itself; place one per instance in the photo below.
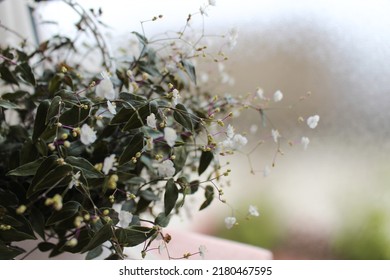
(111, 156)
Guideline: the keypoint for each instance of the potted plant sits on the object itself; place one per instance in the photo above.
(95, 160)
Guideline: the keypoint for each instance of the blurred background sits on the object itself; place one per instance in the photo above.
(330, 201)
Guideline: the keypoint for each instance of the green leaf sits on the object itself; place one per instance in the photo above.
(135, 145)
(94, 253)
(9, 252)
(74, 116)
(205, 160)
(55, 83)
(50, 179)
(28, 169)
(26, 73)
(141, 38)
(122, 116)
(88, 170)
(134, 235)
(182, 116)
(53, 109)
(170, 196)
(37, 221)
(14, 234)
(8, 76)
(190, 69)
(8, 105)
(15, 95)
(138, 118)
(69, 209)
(162, 220)
(40, 118)
(209, 195)
(104, 234)
(46, 246)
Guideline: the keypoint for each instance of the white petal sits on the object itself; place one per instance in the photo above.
(151, 121)
(108, 164)
(230, 222)
(166, 169)
(312, 121)
(105, 88)
(230, 131)
(125, 218)
(170, 136)
(305, 142)
(275, 135)
(212, 2)
(278, 96)
(111, 107)
(253, 211)
(87, 135)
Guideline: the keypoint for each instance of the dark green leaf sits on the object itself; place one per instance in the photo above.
(8, 105)
(74, 116)
(28, 169)
(15, 235)
(9, 252)
(69, 209)
(40, 118)
(37, 221)
(69, 96)
(162, 220)
(8, 198)
(104, 234)
(8, 76)
(55, 83)
(182, 116)
(209, 195)
(205, 160)
(46, 246)
(26, 73)
(134, 235)
(148, 195)
(50, 179)
(138, 118)
(135, 145)
(122, 116)
(181, 157)
(41, 147)
(29, 152)
(88, 170)
(190, 69)
(53, 109)
(12, 96)
(170, 196)
(94, 253)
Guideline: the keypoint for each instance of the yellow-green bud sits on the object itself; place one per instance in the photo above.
(21, 209)
(66, 144)
(106, 212)
(72, 242)
(77, 221)
(64, 136)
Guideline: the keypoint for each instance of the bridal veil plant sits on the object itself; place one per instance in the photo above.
(93, 160)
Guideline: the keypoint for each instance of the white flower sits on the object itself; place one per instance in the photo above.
(105, 88)
(230, 131)
(125, 218)
(75, 180)
(212, 2)
(266, 171)
(260, 93)
(111, 107)
(202, 251)
(305, 142)
(203, 9)
(175, 96)
(312, 121)
(170, 136)
(108, 164)
(275, 135)
(239, 141)
(253, 211)
(278, 96)
(87, 135)
(233, 141)
(230, 222)
(232, 36)
(151, 121)
(166, 169)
